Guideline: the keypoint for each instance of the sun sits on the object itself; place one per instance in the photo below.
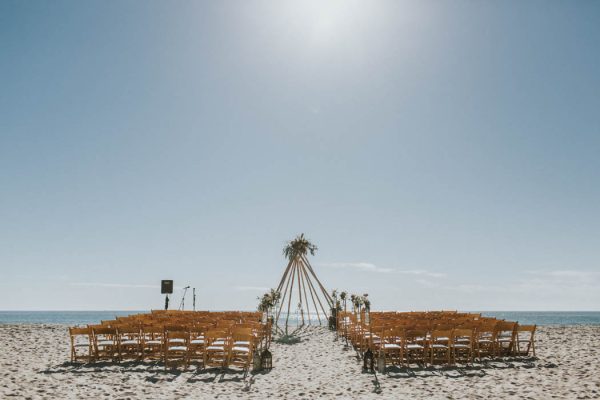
(322, 23)
(329, 21)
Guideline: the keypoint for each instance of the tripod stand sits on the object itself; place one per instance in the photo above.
(182, 304)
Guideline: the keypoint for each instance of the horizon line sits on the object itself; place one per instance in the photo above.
(247, 310)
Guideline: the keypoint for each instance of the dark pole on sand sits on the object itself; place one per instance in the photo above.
(194, 300)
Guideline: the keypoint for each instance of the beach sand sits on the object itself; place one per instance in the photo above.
(34, 364)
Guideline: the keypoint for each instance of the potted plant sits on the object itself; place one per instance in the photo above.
(268, 301)
(300, 246)
(367, 304)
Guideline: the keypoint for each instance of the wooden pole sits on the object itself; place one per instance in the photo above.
(315, 290)
(303, 284)
(310, 290)
(284, 275)
(300, 295)
(295, 265)
(310, 268)
(327, 297)
(282, 301)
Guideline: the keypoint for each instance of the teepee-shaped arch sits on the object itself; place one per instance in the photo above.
(300, 283)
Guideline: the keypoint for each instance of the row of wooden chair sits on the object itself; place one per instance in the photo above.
(218, 341)
(430, 338)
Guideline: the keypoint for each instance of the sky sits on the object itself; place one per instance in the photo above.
(442, 155)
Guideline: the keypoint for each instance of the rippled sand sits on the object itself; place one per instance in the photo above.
(34, 364)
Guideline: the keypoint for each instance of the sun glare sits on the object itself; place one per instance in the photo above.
(327, 22)
(334, 19)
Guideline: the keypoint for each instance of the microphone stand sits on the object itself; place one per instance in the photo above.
(182, 305)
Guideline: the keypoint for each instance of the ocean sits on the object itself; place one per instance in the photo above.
(60, 317)
(92, 317)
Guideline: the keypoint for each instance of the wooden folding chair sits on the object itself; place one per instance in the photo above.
(106, 344)
(356, 335)
(217, 346)
(153, 341)
(197, 344)
(415, 346)
(241, 348)
(176, 345)
(462, 344)
(130, 342)
(81, 341)
(256, 329)
(373, 339)
(389, 346)
(505, 338)
(440, 343)
(525, 336)
(264, 334)
(485, 340)
(399, 338)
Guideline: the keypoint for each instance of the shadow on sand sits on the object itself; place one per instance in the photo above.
(476, 369)
(156, 369)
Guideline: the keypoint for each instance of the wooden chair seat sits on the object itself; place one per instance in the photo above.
(177, 348)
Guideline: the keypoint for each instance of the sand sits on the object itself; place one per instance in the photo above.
(34, 364)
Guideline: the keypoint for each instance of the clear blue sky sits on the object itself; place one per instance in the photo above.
(440, 154)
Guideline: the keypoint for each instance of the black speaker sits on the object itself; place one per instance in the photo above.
(166, 287)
